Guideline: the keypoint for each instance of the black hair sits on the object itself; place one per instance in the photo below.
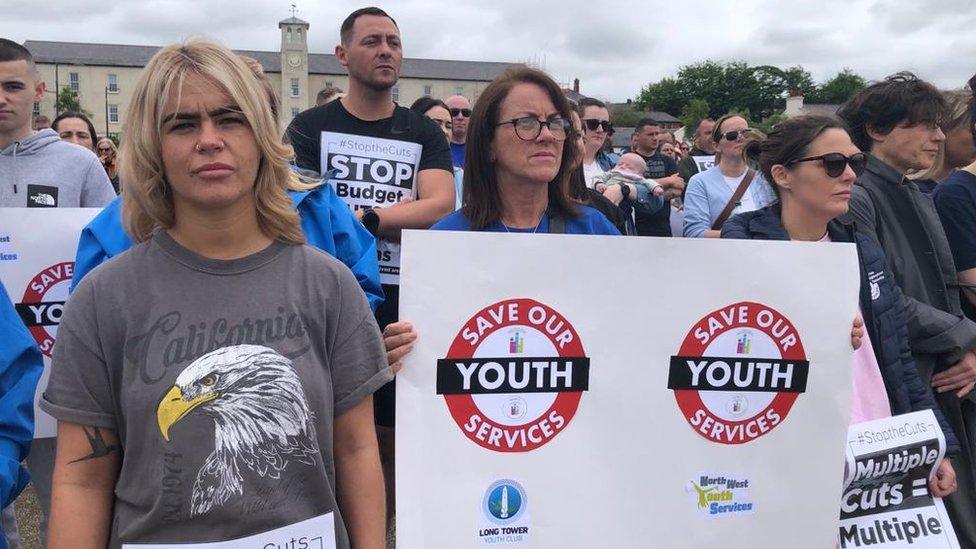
(589, 102)
(644, 122)
(898, 99)
(788, 140)
(12, 51)
(345, 31)
(426, 103)
(80, 116)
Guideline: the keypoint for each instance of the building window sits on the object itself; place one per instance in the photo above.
(298, 34)
(289, 35)
(73, 82)
(396, 92)
(37, 110)
(428, 90)
(459, 90)
(113, 114)
(295, 88)
(113, 83)
(329, 84)
(294, 112)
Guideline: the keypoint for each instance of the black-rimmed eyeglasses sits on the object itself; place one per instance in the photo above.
(528, 128)
(834, 163)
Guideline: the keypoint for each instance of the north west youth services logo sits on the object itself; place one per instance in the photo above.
(738, 373)
(43, 303)
(514, 376)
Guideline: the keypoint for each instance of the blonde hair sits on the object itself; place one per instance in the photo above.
(111, 144)
(147, 201)
(957, 114)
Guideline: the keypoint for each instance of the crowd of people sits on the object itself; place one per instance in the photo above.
(230, 280)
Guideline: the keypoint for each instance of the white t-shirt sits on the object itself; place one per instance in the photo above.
(590, 171)
(746, 203)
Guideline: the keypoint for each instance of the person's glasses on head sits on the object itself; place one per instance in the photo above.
(528, 128)
(593, 124)
(456, 112)
(835, 163)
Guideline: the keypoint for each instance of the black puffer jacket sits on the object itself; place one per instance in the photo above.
(881, 305)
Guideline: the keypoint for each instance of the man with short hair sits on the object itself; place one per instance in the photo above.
(702, 154)
(328, 94)
(896, 122)
(41, 122)
(39, 170)
(390, 164)
(460, 110)
(663, 169)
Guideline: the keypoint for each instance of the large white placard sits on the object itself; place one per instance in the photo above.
(37, 259)
(886, 500)
(584, 391)
(369, 172)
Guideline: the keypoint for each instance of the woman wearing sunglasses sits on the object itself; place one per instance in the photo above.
(812, 164)
(728, 188)
(597, 129)
(107, 154)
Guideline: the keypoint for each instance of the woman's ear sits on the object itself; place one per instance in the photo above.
(781, 177)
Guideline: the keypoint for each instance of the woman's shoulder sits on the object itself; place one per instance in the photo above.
(455, 221)
(591, 221)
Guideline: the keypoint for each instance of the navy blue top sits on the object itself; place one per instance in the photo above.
(457, 154)
(590, 221)
(955, 200)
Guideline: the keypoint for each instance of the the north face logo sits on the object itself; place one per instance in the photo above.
(875, 279)
(42, 196)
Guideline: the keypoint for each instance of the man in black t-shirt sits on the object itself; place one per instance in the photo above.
(660, 168)
(377, 154)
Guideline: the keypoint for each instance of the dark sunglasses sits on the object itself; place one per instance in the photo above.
(463, 112)
(734, 134)
(592, 124)
(834, 163)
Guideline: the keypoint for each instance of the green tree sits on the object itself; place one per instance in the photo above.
(694, 112)
(838, 89)
(668, 95)
(67, 100)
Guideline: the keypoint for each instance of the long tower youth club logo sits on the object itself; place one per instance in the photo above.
(738, 373)
(43, 303)
(514, 375)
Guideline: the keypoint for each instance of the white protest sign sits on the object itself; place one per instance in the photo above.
(704, 162)
(370, 172)
(540, 409)
(314, 533)
(37, 260)
(886, 500)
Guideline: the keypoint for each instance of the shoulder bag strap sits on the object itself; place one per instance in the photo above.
(736, 197)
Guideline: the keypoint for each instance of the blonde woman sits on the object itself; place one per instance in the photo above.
(107, 155)
(214, 382)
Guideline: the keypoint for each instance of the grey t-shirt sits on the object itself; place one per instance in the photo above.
(222, 380)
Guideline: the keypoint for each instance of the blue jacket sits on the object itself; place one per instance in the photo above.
(881, 306)
(326, 221)
(20, 368)
(607, 160)
(708, 193)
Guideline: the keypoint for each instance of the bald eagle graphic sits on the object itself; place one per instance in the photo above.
(261, 418)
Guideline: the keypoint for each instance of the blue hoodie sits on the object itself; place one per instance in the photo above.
(20, 369)
(326, 221)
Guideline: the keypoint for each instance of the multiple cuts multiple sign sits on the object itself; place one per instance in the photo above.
(534, 412)
(36, 267)
(370, 172)
(886, 500)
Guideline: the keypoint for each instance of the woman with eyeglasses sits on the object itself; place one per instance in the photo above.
(521, 154)
(107, 154)
(728, 188)
(812, 165)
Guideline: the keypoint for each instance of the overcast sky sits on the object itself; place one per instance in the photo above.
(613, 47)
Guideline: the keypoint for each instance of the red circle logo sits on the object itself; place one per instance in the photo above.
(738, 373)
(514, 375)
(43, 303)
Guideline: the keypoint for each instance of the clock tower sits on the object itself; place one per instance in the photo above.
(294, 67)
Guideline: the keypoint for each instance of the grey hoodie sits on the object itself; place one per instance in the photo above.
(43, 171)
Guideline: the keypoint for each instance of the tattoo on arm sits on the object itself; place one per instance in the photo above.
(98, 445)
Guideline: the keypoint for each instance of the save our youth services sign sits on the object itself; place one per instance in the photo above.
(37, 254)
(541, 410)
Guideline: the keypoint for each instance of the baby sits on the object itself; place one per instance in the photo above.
(629, 170)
